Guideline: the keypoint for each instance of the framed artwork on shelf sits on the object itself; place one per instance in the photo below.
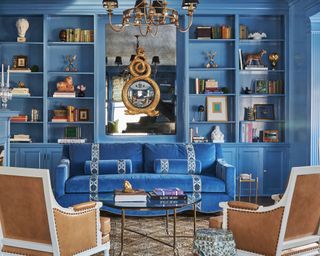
(264, 111)
(261, 87)
(217, 109)
(83, 114)
(20, 61)
(270, 136)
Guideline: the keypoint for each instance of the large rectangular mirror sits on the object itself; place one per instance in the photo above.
(160, 52)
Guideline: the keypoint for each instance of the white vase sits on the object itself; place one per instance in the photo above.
(22, 27)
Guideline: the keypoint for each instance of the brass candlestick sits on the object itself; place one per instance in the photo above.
(274, 58)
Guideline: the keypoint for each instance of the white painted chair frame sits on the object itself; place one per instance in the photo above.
(50, 204)
(285, 202)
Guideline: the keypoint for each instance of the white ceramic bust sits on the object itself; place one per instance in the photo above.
(22, 27)
(216, 135)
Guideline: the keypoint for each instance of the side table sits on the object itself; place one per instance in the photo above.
(250, 181)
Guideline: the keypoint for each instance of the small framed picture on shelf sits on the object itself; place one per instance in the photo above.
(83, 115)
(270, 136)
(217, 109)
(261, 87)
(264, 111)
(20, 61)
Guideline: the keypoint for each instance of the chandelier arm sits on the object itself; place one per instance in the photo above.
(121, 29)
(156, 32)
(190, 19)
(144, 35)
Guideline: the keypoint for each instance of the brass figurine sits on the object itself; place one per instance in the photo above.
(127, 187)
(211, 63)
(274, 58)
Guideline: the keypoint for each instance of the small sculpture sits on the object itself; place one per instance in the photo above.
(70, 63)
(81, 89)
(200, 111)
(211, 63)
(22, 27)
(257, 36)
(217, 136)
(249, 114)
(21, 84)
(257, 57)
(127, 187)
(274, 58)
(66, 85)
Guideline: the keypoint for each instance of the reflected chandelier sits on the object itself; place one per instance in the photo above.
(149, 16)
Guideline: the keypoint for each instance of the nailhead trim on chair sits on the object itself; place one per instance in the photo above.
(78, 213)
(275, 249)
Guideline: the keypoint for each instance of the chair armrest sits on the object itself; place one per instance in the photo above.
(84, 206)
(60, 176)
(77, 231)
(243, 205)
(227, 173)
(276, 197)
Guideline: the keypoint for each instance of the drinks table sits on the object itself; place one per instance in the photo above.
(152, 205)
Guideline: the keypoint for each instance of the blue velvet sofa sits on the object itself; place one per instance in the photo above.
(198, 169)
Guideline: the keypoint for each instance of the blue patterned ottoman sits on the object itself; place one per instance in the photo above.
(214, 242)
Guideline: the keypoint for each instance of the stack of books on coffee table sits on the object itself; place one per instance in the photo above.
(135, 198)
(167, 195)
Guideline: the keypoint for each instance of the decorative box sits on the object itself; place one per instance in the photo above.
(214, 242)
(203, 33)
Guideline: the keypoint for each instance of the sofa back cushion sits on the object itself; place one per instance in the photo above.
(174, 166)
(206, 153)
(121, 166)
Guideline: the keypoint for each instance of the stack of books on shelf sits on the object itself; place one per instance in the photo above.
(275, 87)
(199, 139)
(72, 135)
(221, 32)
(167, 195)
(136, 198)
(256, 67)
(64, 94)
(21, 138)
(207, 86)
(20, 92)
(247, 132)
(19, 118)
(79, 35)
(17, 70)
(60, 115)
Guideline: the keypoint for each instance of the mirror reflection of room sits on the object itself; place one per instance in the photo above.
(160, 53)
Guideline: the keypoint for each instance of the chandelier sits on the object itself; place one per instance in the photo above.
(149, 16)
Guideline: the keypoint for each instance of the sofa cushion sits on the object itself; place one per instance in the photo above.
(120, 166)
(146, 181)
(174, 166)
(206, 153)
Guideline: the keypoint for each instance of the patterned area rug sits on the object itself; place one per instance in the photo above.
(137, 245)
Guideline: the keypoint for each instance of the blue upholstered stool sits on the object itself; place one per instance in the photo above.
(214, 242)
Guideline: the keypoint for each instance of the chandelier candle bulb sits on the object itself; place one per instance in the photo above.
(2, 75)
(8, 73)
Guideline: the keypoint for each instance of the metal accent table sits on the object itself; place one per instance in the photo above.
(250, 181)
(152, 205)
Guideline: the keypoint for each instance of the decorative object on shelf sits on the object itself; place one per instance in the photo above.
(257, 36)
(127, 187)
(20, 62)
(203, 33)
(217, 109)
(264, 111)
(70, 59)
(149, 17)
(34, 115)
(246, 90)
(66, 85)
(141, 94)
(270, 136)
(34, 68)
(72, 132)
(200, 112)
(113, 126)
(255, 135)
(83, 115)
(21, 84)
(211, 63)
(63, 35)
(81, 89)
(256, 57)
(5, 91)
(274, 58)
(217, 136)
(243, 30)
(249, 114)
(22, 27)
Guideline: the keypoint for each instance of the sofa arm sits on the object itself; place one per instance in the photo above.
(227, 173)
(61, 174)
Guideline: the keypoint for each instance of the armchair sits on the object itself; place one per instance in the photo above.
(289, 227)
(33, 223)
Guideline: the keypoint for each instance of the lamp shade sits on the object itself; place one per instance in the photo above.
(155, 60)
(118, 60)
(186, 3)
(110, 4)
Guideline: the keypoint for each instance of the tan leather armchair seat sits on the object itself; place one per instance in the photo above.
(33, 223)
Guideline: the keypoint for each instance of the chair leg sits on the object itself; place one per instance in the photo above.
(106, 252)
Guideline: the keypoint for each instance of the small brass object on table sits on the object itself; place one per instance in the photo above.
(127, 187)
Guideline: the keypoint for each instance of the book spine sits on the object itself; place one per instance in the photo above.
(197, 85)
(176, 197)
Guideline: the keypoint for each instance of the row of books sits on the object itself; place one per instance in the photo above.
(19, 118)
(269, 87)
(214, 32)
(247, 132)
(70, 115)
(205, 86)
(243, 31)
(80, 35)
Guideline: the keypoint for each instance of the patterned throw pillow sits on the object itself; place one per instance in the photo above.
(120, 166)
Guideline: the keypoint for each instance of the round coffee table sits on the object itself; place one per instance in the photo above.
(152, 205)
